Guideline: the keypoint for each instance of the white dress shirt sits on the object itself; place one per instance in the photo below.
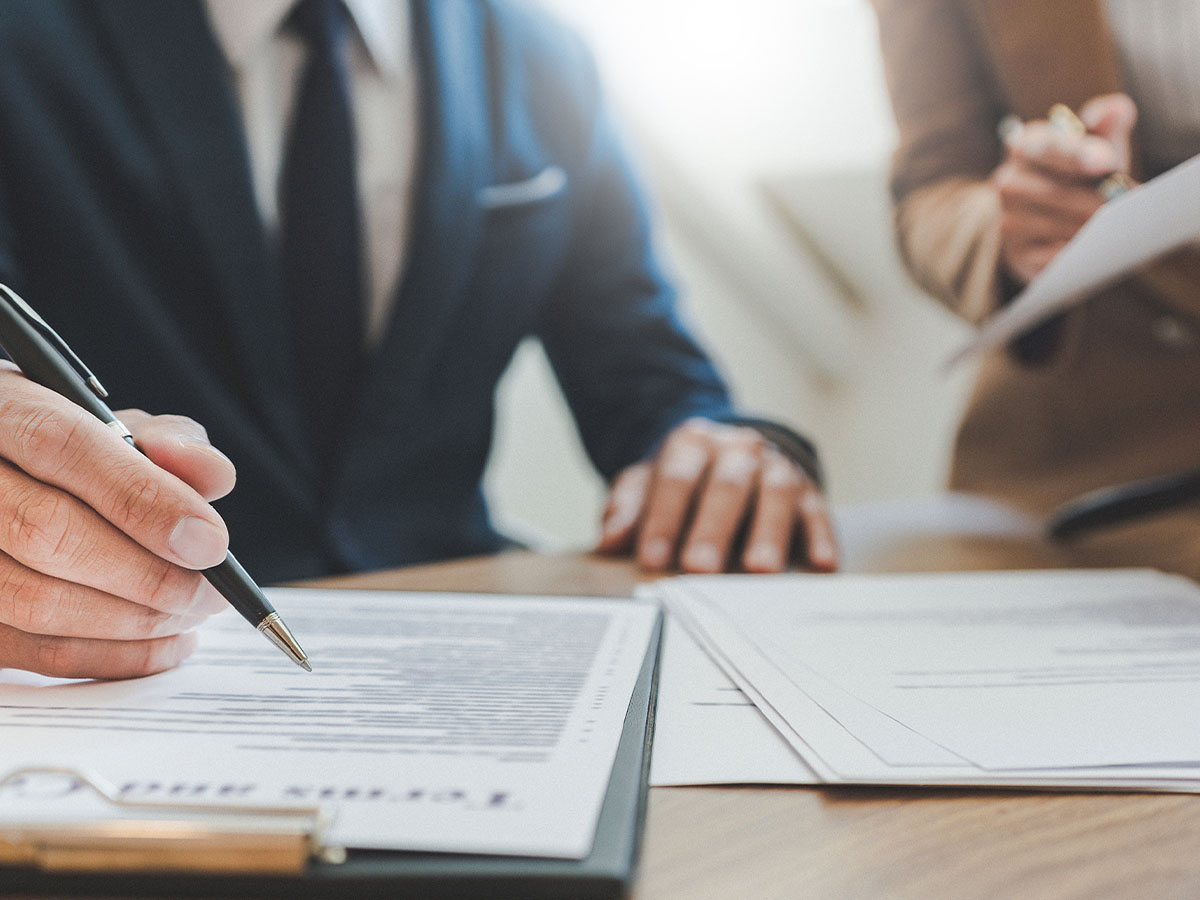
(267, 61)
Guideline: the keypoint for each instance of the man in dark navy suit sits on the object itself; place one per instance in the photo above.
(320, 228)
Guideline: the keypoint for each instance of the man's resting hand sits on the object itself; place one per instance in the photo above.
(718, 497)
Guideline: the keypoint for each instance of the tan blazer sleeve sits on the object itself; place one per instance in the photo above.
(947, 106)
(949, 94)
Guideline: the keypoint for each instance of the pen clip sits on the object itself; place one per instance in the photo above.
(35, 321)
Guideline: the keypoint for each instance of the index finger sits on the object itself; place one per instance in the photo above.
(60, 444)
(181, 446)
(1051, 150)
(678, 472)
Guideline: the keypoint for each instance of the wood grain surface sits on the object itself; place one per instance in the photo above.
(789, 843)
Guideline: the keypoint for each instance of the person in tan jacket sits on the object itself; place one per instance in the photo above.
(1110, 391)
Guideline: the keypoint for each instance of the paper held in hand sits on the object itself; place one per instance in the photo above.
(1128, 232)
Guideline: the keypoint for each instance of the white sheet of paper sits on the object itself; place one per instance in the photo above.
(1130, 231)
(707, 731)
(1039, 678)
(436, 722)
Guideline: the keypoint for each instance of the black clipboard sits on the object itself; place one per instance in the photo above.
(605, 874)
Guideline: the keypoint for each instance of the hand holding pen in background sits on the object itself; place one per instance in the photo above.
(1056, 173)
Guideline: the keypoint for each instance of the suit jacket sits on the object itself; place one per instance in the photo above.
(1111, 391)
(128, 219)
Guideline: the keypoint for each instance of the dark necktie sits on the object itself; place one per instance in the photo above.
(320, 227)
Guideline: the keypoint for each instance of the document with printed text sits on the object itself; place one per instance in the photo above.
(1044, 679)
(435, 722)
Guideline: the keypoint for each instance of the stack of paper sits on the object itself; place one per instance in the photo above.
(1039, 679)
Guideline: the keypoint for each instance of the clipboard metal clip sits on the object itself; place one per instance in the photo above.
(123, 835)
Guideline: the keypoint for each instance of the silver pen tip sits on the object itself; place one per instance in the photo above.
(281, 636)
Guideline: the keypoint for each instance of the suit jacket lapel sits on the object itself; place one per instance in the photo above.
(177, 72)
(454, 164)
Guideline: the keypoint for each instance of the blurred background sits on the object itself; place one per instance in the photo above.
(762, 132)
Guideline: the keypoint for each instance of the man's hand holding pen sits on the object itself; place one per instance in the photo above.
(101, 547)
(1055, 175)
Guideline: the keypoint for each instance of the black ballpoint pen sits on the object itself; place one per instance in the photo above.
(44, 357)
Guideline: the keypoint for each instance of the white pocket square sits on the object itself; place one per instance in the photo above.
(545, 184)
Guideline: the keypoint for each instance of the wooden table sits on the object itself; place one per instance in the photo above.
(763, 843)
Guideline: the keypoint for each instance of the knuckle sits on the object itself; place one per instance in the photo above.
(39, 528)
(735, 468)
(137, 500)
(47, 437)
(150, 656)
(674, 479)
(695, 430)
(56, 657)
(135, 417)
(683, 463)
(183, 425)
(21, 605)
(1008, 188)
(165, 587)
(145, 623)
(142, 657)
(783, 477)
(749, 438)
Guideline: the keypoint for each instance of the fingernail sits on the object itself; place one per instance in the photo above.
(822, 551)
(204, 447)
(765, 557)
(198, 543)
(702, 558)
(206, 601)
(172, 625)
(184, 646)
(656, 553)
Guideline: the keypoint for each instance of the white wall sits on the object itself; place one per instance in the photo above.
(763, 130)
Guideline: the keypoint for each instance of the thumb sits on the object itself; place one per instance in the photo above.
(1112, 117)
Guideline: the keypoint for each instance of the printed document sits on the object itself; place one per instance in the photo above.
(434, 722)
(1053, 678)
